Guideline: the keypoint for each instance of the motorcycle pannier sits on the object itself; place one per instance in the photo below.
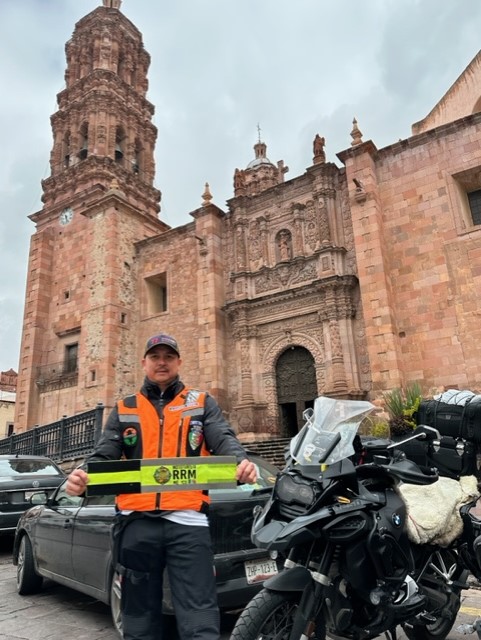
(453, 457)
(454, 420)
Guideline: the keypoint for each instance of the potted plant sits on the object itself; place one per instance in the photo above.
(402, 405)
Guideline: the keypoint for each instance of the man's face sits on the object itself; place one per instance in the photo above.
(161, 365)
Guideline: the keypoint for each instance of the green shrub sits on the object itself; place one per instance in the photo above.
(401, 405)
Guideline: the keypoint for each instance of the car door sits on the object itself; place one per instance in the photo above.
(52, 540)
(91, 550)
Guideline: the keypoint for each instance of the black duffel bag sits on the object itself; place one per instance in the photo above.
(451, 419)
(453, 457)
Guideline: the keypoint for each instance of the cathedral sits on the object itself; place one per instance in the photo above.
(349, 280)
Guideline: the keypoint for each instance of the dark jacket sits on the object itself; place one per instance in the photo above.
(220, 439)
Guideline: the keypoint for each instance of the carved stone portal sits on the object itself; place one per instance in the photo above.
(296, 388)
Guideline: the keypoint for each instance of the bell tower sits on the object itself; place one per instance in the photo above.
(78, 342)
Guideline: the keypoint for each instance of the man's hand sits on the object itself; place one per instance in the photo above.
(246, 472)
(77, 482)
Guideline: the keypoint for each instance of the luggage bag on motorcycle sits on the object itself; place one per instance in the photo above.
(458, 420)
(453, 457)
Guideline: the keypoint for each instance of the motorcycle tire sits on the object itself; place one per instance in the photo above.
(439, 629)
(269, 616)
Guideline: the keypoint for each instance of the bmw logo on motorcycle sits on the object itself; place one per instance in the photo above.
(396, 519)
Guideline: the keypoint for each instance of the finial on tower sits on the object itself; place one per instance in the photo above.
(206, 196)
(258, 133)
(356, 134)
(112, 4)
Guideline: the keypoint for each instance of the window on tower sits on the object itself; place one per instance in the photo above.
(156, 294)
(474, 199)
(465, 188)
(84, 141)
(137, 159)
(71, 358)
(119, 144)
(66, 150)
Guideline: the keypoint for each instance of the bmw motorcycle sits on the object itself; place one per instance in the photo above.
(350, 571)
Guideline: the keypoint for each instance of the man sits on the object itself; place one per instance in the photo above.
(170, 529)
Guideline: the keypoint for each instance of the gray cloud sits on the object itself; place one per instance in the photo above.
(218, 68)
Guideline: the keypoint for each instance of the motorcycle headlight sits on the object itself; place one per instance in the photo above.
(292, 490)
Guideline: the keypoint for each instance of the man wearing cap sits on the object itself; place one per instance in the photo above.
(170, 529)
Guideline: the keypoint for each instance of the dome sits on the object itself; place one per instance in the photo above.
(257, 162)
(261, 159)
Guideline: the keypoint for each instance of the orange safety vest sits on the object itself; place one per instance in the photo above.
(179, 435)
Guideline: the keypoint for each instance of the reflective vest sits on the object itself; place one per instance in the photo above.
(179, 434)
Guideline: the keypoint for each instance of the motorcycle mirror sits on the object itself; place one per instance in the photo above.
(427, 433)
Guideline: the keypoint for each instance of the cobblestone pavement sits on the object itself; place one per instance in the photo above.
(58, 613)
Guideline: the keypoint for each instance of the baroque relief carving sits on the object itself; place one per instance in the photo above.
(240, 248)
(322, 210)
(255, 246)
(285, 274)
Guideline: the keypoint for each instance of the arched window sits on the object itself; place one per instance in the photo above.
(137, 159)
(84, 141)
(66, 150)
(121, 66)
(119, 144)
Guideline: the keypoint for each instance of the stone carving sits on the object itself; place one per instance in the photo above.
(255, 246)
(283, 275)
(306, 271)
(284, 245)
(240, 248)
(101, 134)
(325, 231)
(240, 183)
(318, 150)
(335, 339)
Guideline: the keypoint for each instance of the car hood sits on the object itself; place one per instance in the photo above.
(30, 482)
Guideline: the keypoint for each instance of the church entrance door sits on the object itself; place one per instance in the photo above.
(296, 388)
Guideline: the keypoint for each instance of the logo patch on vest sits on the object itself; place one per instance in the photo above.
(192, 398)
(129, 436)
(196, 434)
(162, 475)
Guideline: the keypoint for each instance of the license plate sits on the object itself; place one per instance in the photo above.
(260, 570)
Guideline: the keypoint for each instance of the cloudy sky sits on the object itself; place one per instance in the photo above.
(220, 67)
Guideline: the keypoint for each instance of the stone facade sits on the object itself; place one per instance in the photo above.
(346, 280)
(8, 386)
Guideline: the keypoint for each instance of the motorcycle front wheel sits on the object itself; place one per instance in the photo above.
(269, 616)
(442, 569)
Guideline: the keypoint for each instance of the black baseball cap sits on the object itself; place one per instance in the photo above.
(161, 338)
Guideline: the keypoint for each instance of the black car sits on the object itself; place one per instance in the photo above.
(68, 540)
(20, 478)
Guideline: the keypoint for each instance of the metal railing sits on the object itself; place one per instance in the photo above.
(49, 373)
(67, 438)
(75, 437)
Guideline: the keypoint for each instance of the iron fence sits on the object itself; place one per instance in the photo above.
(67, 438)
(75, 437)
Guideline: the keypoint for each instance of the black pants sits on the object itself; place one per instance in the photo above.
(147, 546)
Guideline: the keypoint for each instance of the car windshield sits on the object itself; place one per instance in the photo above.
(21, 466)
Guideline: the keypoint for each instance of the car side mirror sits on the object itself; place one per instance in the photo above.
(39, 497)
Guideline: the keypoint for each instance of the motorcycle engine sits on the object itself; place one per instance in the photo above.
(383, 555)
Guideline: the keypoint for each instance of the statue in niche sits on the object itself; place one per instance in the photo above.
(284, 241)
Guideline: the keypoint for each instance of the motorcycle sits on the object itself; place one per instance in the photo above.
(350, 570)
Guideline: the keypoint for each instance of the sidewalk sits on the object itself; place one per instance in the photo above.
(49, 615)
